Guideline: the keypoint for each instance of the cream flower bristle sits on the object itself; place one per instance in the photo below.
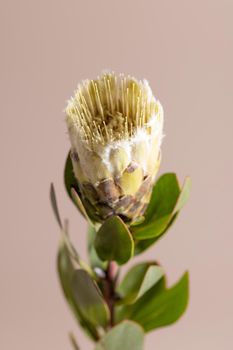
(111, 108)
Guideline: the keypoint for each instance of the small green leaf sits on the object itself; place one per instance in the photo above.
(138, 281)
(78, 202)
(127, 335)
(69, 178)
(85, 208)
(54, 205)
(72, 183)
(166, 201)
(163, 309)
(158, 214)
(153, 229)
(73, 254)
(114, 241)
(124, 312)
(65, 271)
(142, 245)
(93, 257)
(89, 298)
(64, 230)
(164, 197)
(184, 195)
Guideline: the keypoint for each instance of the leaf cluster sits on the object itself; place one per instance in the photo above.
(142, 300)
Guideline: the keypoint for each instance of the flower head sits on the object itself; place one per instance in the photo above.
(116, 128)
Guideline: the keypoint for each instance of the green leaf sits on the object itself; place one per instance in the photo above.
(153, 229)
(142, 245)
(164, 197)
(158, 214)
(65, 272)
(138, 281)
(85, 208)
(89, 298)
(124, 312)
(127, 335)
(114, 241)
(79, 204)
(54, 205)
(163, 309)
(93, 257)
(73, 254)
(184, 195)
(69, 178)
(65, 269)
(166, 201)
(71, 185)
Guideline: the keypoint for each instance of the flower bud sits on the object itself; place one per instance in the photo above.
(115, 126)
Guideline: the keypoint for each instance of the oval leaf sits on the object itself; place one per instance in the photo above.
(139, 280)
(54, 205)
(127, 335)
(184, 195)
(69, 178)
(124, 312)
(65, 270)
(72, 187)
(78, 202)
(159, 212)
(89, 298)
(166, 202)
(153, 229)
(164, 197)
(143, 245)
(164, 309)
(93, 257)
(114, 241)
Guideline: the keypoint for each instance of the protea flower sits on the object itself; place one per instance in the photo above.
(115, 126)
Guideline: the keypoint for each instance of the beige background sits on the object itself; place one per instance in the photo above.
(185, 50)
